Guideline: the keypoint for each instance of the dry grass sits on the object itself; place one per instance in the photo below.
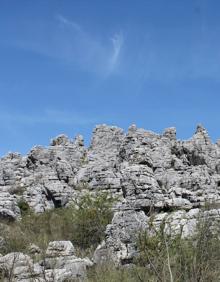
(83, 223)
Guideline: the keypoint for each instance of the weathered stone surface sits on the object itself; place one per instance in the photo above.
(44, 179)
(18, 267)
(58, 265)
(145, 168)
(60, 248)
(100, 168)
(8, 206)
(121, 235)
(149, 173)
(61, 262)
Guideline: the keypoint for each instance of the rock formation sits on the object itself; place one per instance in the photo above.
(149, 173)
(59, 264)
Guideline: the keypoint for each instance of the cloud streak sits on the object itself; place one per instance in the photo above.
(103, 56)
(68, 42)
(117, 42)
(67, 22)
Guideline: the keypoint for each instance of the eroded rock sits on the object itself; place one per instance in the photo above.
(58, 265)
(148, 173)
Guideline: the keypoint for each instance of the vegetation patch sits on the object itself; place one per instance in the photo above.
(172, 258)
(83, 223)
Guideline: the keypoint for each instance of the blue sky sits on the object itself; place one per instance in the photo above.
(68, 65)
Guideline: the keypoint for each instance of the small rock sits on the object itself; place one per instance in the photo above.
(60, 248)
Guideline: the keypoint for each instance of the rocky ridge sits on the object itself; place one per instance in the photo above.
(149, 174)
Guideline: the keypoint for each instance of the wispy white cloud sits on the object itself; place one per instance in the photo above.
(67, 22)
(67, 41)
(117, 42)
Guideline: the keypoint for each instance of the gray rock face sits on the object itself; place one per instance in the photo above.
(44, 178)
(60, 264)
(18, 267)
(121, 234)
(100, 168)
(148, 172)
(60, 248)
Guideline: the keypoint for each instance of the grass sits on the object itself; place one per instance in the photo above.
(83, 223)
(171, 258)
(167, 258)
(162, 257)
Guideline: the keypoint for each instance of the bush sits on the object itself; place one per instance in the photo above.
(90, 217)
(161, 257)
(171, 258)
(83, 223)
(23, 206)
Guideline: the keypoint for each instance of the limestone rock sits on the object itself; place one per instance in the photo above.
(61, 262)
(9, 209)
(59, 265)
(145, 171)
(17, 267)
(60, 248)
(121, 235)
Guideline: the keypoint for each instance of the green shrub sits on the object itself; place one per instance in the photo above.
(83, 223)
(171, 258)
(90, 217)
(23, 206)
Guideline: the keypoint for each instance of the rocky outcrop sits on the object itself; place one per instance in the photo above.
(149, 173)
(59, 264)
(45, 177)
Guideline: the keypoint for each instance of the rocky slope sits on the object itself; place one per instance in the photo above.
(149, 174)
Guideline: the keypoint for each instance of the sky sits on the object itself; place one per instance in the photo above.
(66, 66)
